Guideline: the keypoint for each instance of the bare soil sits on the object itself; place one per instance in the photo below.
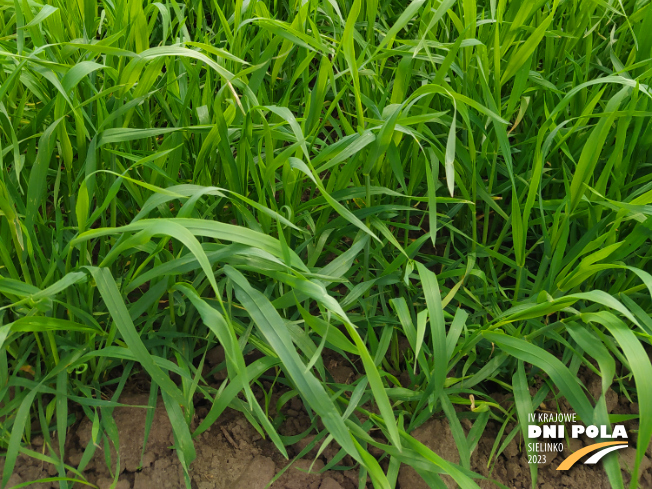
(233, 455)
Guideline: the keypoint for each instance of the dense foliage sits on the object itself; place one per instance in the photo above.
(456, 190)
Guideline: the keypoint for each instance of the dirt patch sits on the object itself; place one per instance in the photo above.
(233, 455)
(230, 455)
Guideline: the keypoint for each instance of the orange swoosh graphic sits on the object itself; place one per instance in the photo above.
(570, 461)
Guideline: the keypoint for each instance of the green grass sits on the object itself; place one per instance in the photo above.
(292, 176)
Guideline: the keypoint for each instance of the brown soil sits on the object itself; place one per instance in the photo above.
(233, 455)
(230, 455)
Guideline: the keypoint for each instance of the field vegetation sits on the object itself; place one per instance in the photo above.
(456, 190)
